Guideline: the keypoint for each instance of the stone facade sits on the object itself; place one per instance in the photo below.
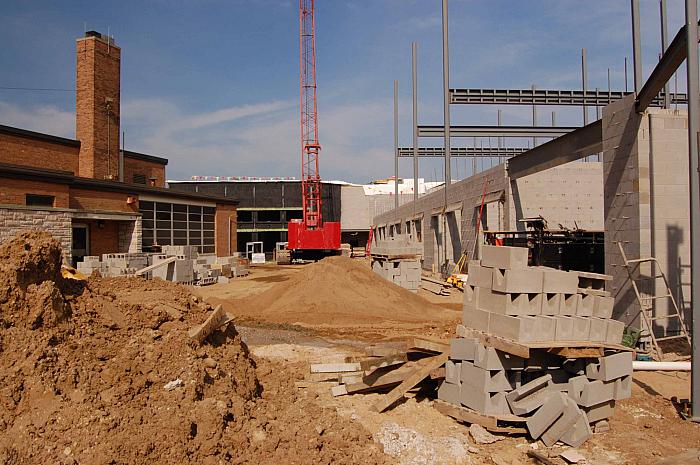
(14, 220)
(130, 239)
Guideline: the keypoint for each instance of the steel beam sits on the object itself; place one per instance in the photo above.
(636, 47)
(462, 152)
(575, 145)
(396, 144)
(414, 85)
(494, 131)
(672, 58)
(446, 91)
(546, 97)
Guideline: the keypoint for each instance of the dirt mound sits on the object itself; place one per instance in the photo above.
(104, 372)
(339, 291)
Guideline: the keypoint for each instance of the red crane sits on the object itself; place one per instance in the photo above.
(311, 236)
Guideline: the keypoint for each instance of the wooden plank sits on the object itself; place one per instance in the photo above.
(334, 367)
(397, 393)
(378, 362)
(504, 345)
(430, 345)
(374, 382)
(577, 352)
(589, 275)
(540, 457)
(154, 266)
(380, 351)
(597, 292)
(466, 415)
(217, 319)
(438, 373)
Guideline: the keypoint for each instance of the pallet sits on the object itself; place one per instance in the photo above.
(424, 368)
(492, 423)
(568, 349)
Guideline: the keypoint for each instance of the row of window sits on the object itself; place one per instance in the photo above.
(178, 224)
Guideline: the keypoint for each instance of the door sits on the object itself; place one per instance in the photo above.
(80, 244)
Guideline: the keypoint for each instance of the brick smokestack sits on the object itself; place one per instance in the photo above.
(97, 106)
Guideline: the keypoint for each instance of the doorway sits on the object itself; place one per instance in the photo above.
(80, 243)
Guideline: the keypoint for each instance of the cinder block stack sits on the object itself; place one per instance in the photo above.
(507, 298)
(559, 398)
(398, 260)
(89, 264)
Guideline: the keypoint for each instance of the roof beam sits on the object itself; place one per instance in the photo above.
(575, 145)
(547, 97)
(494, 131)
(490, 152)
(672, 58)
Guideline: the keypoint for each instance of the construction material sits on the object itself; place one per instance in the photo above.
(397, 259)
(398, 392)
(660, 366)
(217, 319)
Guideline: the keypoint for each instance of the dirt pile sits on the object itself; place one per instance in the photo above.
(340, 291)
(107, 374)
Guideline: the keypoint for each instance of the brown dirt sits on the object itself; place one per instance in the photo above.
(337, 296)
(83, 368)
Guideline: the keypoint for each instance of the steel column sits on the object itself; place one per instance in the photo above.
(636, 46)
(534, 117)
(691, 21)
(396, 144)
(664, 45)
(584, 83)
(446, 94)
(414, 84)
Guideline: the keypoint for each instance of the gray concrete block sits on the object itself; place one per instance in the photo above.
(508, 258)
(546, 415)
(529, 396)
(563, 424)
(601, 411)
(471, 296)
(492, 301)
(599, 330)
(545, 327)
(484, 402)
(585, 304)
(615, 331)
(603, 306)
(568, 304)
(452, 371)
(623, 388)
(516, 328)
(484, 380)
(461, 331)
(576, 386)
(450, 393)
(476, 319)
(463, 348)
(489, 358)
(559, 282)
(596, 392)
(615, 366)
(480, 276)
(579, 433)
(551, 304)
(528, 281)
(582, 328)
(564, 328)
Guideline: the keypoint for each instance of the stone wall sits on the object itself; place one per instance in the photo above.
(14, 220)
(130, 240)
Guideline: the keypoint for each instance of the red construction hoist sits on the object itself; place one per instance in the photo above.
(310, 237)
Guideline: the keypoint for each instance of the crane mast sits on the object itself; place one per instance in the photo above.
(310, 148)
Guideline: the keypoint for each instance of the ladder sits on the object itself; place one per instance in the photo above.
(647, 304)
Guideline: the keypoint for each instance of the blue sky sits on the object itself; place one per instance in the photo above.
(213, 85)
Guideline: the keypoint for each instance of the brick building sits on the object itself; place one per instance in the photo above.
(92, 196)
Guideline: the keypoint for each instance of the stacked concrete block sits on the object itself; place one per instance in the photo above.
(179, 271)
(185, 251)
(401, 245)
(404, 272)
(537, 304)
(89, 264)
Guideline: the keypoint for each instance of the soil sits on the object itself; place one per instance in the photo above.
(103, 372)
(338, 297)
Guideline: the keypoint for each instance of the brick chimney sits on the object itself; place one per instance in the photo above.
(97, 106)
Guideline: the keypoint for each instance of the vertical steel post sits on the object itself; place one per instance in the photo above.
(446, 90)
(414, 77)
(396, 145)
(664, 45)
(626, 78)
(499, 141)
(691, 22)
(534, 114)
(584, 83)
(636, 47)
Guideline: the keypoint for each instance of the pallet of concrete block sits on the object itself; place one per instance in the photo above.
(188, 252)
(400, 246)
(552, 397)
(402, 272)
(90, 264)
(171, 268)
(506, 298)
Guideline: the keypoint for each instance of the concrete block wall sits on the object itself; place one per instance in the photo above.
(646, 205)
(14, 220)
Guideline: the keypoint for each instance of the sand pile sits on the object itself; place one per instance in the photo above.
(104, 372)
(339, 291)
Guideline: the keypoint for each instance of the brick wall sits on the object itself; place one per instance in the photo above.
(97, 107)
(148, 169)
(57, 223)
(86, 199)
(225, 218)
(25, 151)
(103, 239)
(13, 191)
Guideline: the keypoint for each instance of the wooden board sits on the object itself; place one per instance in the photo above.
(429, 345)
(217, 319)
(334, 367)
(491, 423)
(377, 362)
(504, 345)
(589, 275)
(381, 351)
(154, 266)
(597, 292)
(577, 352)
(426, 366)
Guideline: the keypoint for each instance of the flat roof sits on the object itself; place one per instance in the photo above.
(144, 157)
(64, 177)
(38, 136)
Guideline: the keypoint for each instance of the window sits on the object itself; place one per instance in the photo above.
(178, 224)
(34, 200)
(245, 216)
(139, 179)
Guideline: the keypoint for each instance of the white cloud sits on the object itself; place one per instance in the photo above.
(45, 118)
